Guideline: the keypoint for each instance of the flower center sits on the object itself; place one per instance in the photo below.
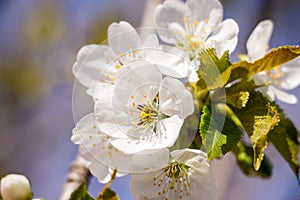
(148, 114)
(276, 75)
(145, 113)
(173, 180)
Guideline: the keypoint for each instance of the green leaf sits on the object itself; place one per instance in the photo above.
(81, 193)
(108, 194)
(284, 138)
(218, 132)
(244, 158)
(258, 118)
(237, 99)
(274, 58)
(213, 71)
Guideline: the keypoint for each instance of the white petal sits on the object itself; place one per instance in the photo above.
(203, 184)
(168, 131)
(96, 148)
(170, 61)
(292, 74)
(258, 42)
(225, 36)
(109, 117)
(151, 41)
(138, 82)
(175, 99)
(123, 37)
(284, 96)
(169, 17)
(206, 9)
(91, 63)
(141, 186)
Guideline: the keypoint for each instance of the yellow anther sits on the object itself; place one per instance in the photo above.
(185, 19)
(132, 96)
(135, 52)
(206, 20)
(122, 54)
(196, 22)
(129, 46)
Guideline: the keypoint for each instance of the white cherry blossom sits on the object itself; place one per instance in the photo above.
(195, 25)
(279, 79)
(144, 110)
(188, 176)
(99, 65)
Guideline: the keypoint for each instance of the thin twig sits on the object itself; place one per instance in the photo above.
(78, 174)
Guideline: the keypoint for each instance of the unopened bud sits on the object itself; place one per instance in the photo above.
(15, 187)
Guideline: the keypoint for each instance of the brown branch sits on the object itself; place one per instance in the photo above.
(78, 174)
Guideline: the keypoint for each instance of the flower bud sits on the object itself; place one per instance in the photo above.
(15, 187)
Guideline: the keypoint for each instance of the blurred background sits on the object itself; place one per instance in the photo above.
(39, 40)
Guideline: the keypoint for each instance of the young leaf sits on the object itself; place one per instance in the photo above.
(258, 118)
(108, 194)
(262, 126)
(213, 71)
(212, 138)
(237, 99)
(218, 132)
(274, 58)
(284, 138)
(81, 193)
(244, 158)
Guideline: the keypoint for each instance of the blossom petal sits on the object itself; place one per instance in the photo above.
(95, 147)
(168, 129)
(175, 99)
(291, 71)
(109, 119)
(170, 61)
(225, 36)
(202, 181)
(206, 9)
(258, 41)
(123, 37)
(141, 81)
(91, 62)
(169, 17)
(284, 96)
(203, 184)
(151, 41)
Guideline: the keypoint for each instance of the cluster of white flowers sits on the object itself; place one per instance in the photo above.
(141, 97)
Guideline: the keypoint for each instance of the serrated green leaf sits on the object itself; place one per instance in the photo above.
(284, 138)
(274, 58)
(81, 193)
(213, 71)
(108, 194)
(262, 126)
(212, 138)
(258, 118)
(237, 99)
(244, 157)
(218, 132)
